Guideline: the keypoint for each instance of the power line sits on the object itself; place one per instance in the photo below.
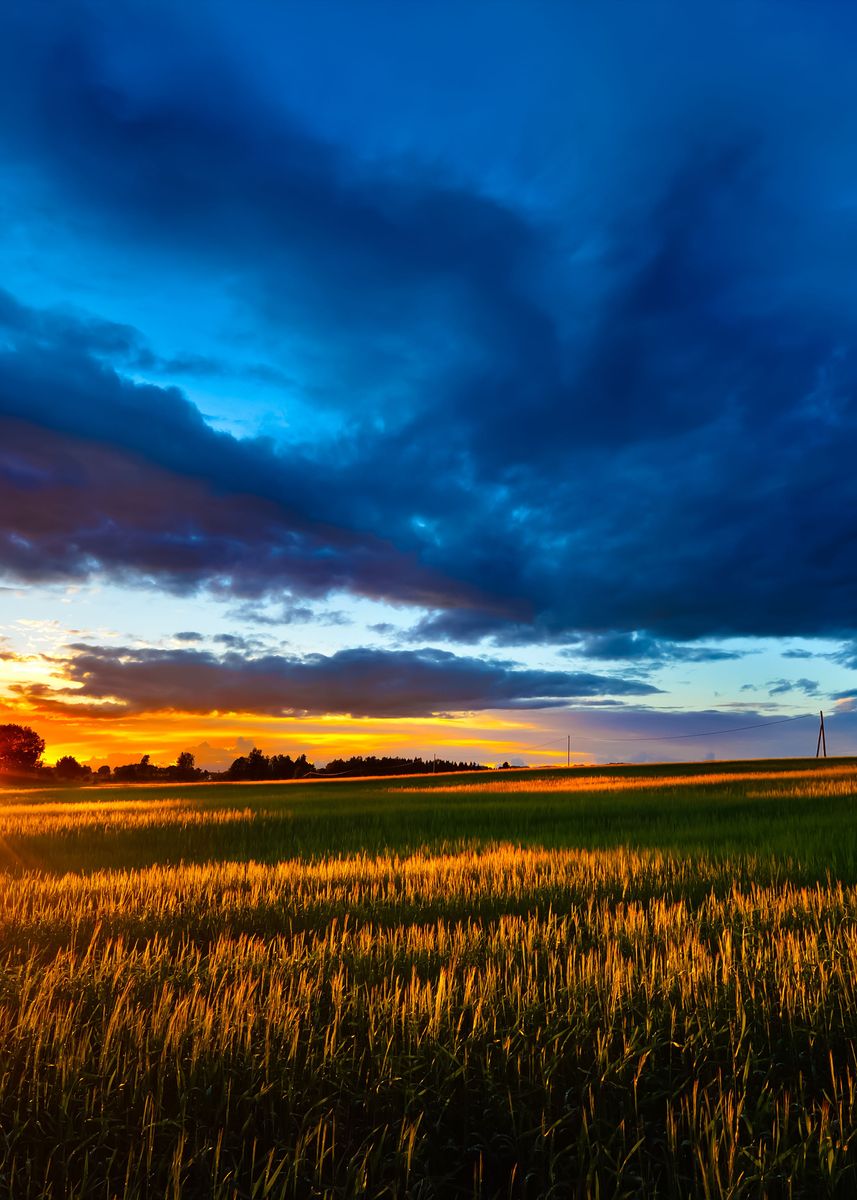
(671, 737)
(552, 742)
(712, 732)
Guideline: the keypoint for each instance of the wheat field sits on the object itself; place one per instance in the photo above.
(388, 993)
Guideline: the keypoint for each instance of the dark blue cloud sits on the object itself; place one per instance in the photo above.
(571, 404)
(642, 647)
(74, 510)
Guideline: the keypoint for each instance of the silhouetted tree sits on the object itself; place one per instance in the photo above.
(258, 765)
(390, 765)
(302, 767)
(182, 770)
(138, 772)
(254, 765)
(282, 767)
(21, 748)
(103, 773)
(70, 770)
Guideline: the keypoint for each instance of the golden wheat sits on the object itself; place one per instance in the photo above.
(502, 1021)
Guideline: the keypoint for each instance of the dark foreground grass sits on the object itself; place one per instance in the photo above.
(641, 987)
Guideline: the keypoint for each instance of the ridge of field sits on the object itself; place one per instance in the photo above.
(624, 982)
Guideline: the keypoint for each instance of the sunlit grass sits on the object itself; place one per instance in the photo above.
(40, 819)
(579, 781)
(360, 991)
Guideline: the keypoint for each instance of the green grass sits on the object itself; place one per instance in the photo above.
(642, 987)
(816, 834)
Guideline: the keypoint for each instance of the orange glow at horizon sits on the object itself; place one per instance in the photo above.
(114, 737)
(217, 739)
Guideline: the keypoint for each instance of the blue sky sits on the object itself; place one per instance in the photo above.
(387, 371)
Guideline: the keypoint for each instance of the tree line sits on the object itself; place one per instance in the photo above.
(22, 750)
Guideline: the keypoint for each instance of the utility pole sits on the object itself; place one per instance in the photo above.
(821, 744)
(568, 750)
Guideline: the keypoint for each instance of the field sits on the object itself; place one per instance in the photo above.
(629, 982)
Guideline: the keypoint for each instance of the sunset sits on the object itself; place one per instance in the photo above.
(460, 388)
(428, 599)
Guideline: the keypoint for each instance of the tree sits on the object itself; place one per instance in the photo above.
(255, 765)
(126, 773)
(258, 766)
(302, 767)
(70, 769)
(138, 772)
(238, 768)
(147, 769)
(21, 748)
(282, 766)
(183, 770)
(103, 772)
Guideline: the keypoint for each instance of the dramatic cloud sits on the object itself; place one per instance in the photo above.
(74, 508)
(592, 377)
(360, 682)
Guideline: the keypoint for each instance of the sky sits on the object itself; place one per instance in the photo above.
(453, 379)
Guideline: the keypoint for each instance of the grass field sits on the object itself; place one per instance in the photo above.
(616, 982)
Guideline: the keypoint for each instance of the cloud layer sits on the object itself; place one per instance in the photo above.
(110, 681)
(606, 387)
